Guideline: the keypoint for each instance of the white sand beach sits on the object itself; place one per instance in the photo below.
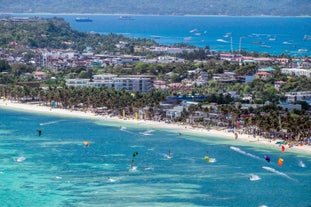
(181, 128)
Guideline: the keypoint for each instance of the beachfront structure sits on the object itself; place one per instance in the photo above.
(133, 84)
(103, 80)
(197, 116)
(174, 112)
(142, 84)
(297, 72)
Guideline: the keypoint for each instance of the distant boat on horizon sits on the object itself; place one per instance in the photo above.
(83, 19)
(125, 18)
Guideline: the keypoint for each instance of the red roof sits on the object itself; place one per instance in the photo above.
(263, 73)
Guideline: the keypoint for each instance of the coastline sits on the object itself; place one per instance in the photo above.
(223, 134)
(137, 14)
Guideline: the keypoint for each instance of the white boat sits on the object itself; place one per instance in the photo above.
(221, 40)
(126, 18)
(82, 19)
(307, 37)
(194, 31)
(265, 46)
(302, 50)
(286, 43)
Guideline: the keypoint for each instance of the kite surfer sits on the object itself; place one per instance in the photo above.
(39, 132)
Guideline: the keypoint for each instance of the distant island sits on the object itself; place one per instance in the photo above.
(162, 7)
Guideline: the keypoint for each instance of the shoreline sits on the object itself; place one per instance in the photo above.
(223, 134)
(137, 14)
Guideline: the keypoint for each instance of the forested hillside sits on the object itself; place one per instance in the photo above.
(162, 7)
(55, 33)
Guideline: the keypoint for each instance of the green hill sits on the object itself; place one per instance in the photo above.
(55, 33)
(162, 7)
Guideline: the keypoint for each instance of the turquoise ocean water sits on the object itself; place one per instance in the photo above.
(56, 169)
(274, 35)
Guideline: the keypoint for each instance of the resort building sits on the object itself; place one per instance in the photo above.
(297, 72)
(143, 84)
(77, 82)
(133, 84)
(103, 80)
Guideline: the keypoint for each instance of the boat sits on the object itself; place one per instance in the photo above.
(307, 37)
(265, 46)
(125, 18)
(194, 31)
(302, 50)
(82, 19)
(221, 40)
(258, 43)
(286, 43)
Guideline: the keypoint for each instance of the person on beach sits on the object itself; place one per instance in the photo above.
(235, 135)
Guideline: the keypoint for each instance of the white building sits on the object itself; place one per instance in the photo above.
(298, 96)
(142, 84)
(133, 84)
(77, 82)
(103, 80)
(297, 72)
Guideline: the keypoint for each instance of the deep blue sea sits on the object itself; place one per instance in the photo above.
(274, 35)
(57, 169)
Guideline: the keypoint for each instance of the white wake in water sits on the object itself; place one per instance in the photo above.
(236, 149)
(51, 122)
(212, 160)
(20, 159)
(277, 172)
(112, 180)
(147, 133)
(123, 128)
(301, 164)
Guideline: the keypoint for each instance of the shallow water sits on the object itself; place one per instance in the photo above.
(57, 169)
(273, 35)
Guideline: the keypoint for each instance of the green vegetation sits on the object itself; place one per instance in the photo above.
(21, 39)
(56, 33)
